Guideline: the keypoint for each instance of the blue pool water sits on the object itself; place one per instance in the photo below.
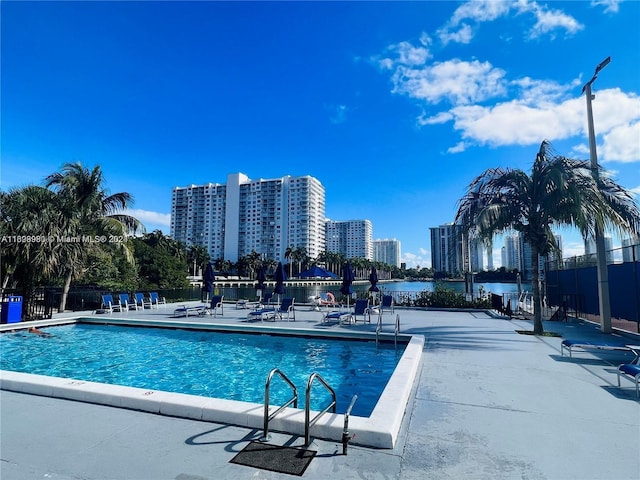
(206, 363)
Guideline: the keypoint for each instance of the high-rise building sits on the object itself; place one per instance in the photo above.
(265, 216)
(590, 248)
(447, 252)
(631, 249)
(351, 238)
(387, 251)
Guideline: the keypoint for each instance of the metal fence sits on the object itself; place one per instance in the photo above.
(573, 284)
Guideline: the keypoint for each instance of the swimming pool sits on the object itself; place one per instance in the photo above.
(228, 365)
(379, 429)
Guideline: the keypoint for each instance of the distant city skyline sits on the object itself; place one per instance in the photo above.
(393, 106)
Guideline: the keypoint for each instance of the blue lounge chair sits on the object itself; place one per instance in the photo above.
(386, 303)
(216, 305)
(157, 300)
(109, 304)
(632, 370)
(587, 345)
(126, 303)
(361, 307)
(184, 311)
(141, 301)
(287, 307)
(263, 313)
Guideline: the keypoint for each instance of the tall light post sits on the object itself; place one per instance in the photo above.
(603, 275)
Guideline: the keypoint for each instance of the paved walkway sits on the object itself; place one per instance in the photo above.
(490, 404)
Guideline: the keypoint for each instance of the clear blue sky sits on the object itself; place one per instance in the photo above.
(394, 107)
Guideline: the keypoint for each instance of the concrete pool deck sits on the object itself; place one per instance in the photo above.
(489, 403)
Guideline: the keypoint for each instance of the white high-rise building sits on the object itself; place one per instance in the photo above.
(351, 238)
(631, 249)
(387, 251)
(265, 216)
(590, 248)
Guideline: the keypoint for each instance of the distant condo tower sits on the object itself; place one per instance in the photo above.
(351, 238)
(387, 251)
(265, 216)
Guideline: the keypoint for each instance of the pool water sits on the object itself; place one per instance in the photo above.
(224, 365)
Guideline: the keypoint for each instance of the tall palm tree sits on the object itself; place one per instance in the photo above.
(559, 191)
(90, 210)
(33, 213)
(288, 255)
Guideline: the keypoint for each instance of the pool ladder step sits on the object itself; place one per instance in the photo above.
(308, 421)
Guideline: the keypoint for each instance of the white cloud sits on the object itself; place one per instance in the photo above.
(550, 20)
(454, 80)
(610, 6)
(459, 27)
(621, 143)
(413, 260)
(153, 219)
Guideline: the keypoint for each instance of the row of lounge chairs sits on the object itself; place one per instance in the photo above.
(124, 303)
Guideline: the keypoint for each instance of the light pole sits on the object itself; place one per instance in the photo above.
(603, 275)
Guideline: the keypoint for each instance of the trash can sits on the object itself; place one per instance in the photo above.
(11, 309)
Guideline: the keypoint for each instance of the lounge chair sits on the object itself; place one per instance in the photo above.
(287, 307)
(361, 307)
(141, 301)
(263, 313)
(342, 315)
(632, 370)
(184, 311)
(109, 304)
(386, 303)
(157, 300)
(587, 345)
(126, 303)
(216, 305)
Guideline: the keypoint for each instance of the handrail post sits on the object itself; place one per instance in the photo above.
(308, 423)
(345, 432)
(267, 388)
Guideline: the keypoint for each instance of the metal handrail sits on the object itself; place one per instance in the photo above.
(267, 388)
(346, 438)
(379, 326)
(308, 423)
(397, 329)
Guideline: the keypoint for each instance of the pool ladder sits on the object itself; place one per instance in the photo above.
(308, 421)
(396, 329)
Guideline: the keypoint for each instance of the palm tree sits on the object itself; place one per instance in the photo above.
(559, 191)
(198, 257)
(89, 211)
(288, 255)
(29, 212)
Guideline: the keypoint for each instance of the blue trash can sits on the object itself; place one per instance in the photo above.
(11, 309)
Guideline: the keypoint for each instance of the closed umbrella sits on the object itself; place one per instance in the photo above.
(373, 280)
(347, 280)
(208, 277)
(261, 278)
(280, 276)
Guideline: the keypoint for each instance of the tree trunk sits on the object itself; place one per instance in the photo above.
(65, 291)
(537, 299)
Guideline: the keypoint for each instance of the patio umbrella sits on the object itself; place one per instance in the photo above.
(373, 279)
(208, 277)
(317, 272)
(280, 276)
(347, 280)
(261, 278)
